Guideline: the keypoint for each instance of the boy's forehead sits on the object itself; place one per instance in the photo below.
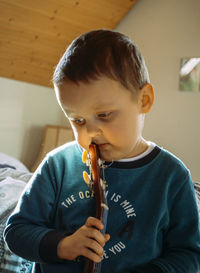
(102, 94)
(98, 85)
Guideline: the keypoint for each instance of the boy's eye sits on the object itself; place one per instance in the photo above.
(79, 121)
(104, 115)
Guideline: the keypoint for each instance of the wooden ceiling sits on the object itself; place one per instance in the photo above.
(35, 33)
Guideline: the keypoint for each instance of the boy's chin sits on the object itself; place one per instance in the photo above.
(107, 156)
(105, 153)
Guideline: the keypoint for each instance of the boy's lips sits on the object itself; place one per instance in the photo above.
(102, 145)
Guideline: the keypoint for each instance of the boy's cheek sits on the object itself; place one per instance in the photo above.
(82, 139)
(74, 131)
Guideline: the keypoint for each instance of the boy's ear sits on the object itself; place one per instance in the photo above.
(146, 98)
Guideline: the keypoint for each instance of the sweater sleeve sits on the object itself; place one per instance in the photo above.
(49, 244)
(30, 221)
(181, 246)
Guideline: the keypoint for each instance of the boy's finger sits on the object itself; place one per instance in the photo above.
(96, 235)
(91, 255)
(107, 237)
(94, 222)
(95, 247)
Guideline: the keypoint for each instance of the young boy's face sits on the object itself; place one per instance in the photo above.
(105, 113)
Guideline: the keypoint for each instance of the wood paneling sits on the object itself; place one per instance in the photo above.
(54, 136)
(34, 34)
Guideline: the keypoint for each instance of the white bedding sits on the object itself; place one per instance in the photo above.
(11, 161)
(13, 178)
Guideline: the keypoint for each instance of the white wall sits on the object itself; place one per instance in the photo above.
(24, 111)
(166, 31)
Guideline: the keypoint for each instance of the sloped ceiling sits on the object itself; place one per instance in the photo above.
(35, 33)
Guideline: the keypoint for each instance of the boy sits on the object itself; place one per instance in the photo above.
(102, 86)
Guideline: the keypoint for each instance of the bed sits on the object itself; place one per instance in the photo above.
(13, 178)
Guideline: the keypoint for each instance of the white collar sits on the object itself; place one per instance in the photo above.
(151, 146)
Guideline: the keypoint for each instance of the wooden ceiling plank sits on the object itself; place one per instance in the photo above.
(34, 34)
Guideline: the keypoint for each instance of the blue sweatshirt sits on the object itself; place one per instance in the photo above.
(153, 216)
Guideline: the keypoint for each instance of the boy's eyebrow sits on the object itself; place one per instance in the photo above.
(108, 104)
(99, 107)
(69, 113)
(103, 106)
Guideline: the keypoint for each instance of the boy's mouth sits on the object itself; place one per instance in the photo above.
(102, 146)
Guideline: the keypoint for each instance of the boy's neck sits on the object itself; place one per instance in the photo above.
(141, 146)
(151, 146)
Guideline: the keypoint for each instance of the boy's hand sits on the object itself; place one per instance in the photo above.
(87, 241)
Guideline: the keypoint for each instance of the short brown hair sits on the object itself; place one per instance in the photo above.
(102, 53)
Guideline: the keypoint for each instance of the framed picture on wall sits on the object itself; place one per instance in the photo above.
(189, 74)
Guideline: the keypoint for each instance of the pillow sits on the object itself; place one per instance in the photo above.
(12, 162)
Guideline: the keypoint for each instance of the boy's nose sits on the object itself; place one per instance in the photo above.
(93, 129)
